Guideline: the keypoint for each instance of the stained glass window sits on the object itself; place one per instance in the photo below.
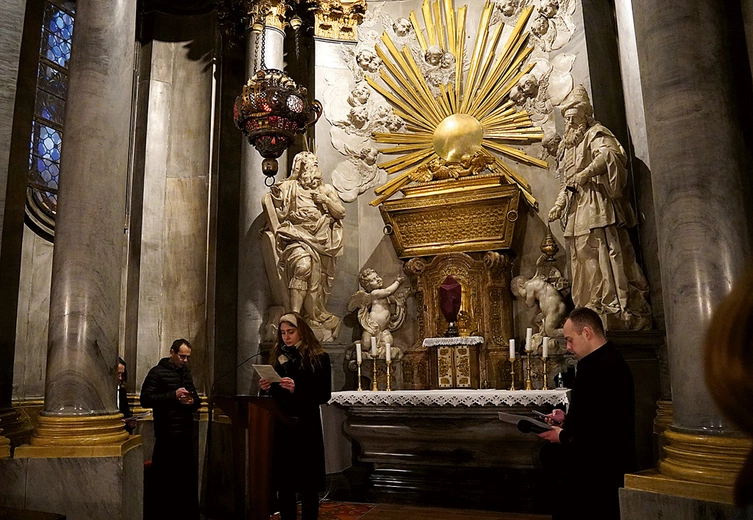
(49, 110)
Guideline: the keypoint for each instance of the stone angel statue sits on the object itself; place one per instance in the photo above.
(543, 291)
(381, 310)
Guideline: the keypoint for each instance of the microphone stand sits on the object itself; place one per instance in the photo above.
(210, 411)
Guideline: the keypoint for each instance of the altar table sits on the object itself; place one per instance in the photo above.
(448, 447)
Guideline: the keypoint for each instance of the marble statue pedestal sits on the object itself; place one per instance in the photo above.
(83, 483)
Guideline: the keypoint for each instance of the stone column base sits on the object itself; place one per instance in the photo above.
(703, 458)
(98, 430)
(649, 494)
(81, 482)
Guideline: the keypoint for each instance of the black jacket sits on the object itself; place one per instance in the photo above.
(600, 424)
(171, 418)
(123, 406)
(299, 448)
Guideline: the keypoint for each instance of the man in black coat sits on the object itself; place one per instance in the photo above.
(593, 446)
(169, 391)
(122, 397)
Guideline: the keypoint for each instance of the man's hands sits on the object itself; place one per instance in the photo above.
(286, 383)
(552, 435)
(556, 417)
(184, 396)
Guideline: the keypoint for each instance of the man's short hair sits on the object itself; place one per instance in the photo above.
(121, 361)
(585, 317)
(175, 347)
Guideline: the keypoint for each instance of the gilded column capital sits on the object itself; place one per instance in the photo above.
(271, 13)
(337, 19)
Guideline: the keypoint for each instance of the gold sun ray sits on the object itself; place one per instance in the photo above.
(502, 74)
(417, 31)
(493, 100)
(472, 114)
(450, 20)
(428, 21)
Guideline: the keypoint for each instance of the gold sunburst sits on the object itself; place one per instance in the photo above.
(471, 115)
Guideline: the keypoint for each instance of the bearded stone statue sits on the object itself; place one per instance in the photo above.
(595, 218)
(304, 217)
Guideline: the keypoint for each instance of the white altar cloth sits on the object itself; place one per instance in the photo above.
(454, 397)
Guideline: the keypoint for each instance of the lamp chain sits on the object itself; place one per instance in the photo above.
(256, 53)
(263, 44)
(297, 44)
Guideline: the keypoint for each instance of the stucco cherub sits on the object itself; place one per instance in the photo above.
(381, 310)
(538, 291)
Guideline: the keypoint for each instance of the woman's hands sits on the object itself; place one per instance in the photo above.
(286, 383)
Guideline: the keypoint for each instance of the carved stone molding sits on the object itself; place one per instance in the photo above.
(337, 19)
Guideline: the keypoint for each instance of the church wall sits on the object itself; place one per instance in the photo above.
(641, 171)
(33, 313)
(174, 250)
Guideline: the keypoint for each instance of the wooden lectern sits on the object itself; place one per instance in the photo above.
(253, 419)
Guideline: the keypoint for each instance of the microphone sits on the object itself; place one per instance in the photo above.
(223, 376)
(529, 426)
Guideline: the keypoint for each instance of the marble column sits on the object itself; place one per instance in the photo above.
(81, 377)
(698, 170)
(254, 297)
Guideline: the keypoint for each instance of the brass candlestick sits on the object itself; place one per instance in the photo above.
(389, 362)
(544, 375)
(528, 386)
(374, 386)
(359, 376)
(512, 373)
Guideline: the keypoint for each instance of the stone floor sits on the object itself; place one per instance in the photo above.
(354, 511)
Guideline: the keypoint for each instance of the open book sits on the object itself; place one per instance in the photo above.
(524, 424)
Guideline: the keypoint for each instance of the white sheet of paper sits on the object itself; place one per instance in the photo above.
(267, 372)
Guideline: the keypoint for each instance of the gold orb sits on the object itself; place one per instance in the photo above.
(457, 135)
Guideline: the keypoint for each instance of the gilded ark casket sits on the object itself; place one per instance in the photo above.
(472, 214)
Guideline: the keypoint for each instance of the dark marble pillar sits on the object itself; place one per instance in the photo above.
(90, 239)
(695, 134)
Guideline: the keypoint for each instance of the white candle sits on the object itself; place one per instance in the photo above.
(545, 348)
(373, 347)
(512, 349)
(529, 342)
(387, 353)
(358, 352)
